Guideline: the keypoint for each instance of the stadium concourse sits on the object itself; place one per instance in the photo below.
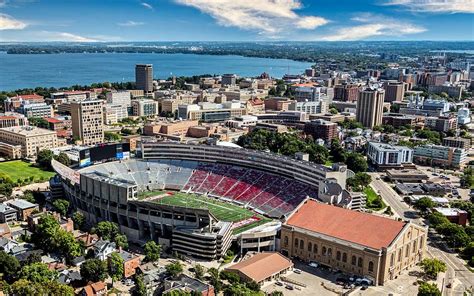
(179, 198)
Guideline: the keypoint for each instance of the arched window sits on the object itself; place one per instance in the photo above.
(315, 248)
(344, 257)
(286, 241)
(359, 262)
(310, 247)
(301, 244)
(392, 259)
(324, 251)
(338, 256)
(296, 242)
(407, 250)
(329, 252)
(399, 255)
(421, 242)
(371, 266)
(354, 260)
(414, 247)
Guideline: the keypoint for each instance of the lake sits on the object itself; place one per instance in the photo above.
(66, 69)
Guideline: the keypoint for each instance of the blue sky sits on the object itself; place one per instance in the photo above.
(235, 20)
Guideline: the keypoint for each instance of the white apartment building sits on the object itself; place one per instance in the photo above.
(382, 154)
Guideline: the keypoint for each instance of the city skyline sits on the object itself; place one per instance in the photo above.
(236, 20)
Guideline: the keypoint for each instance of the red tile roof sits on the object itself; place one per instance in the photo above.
(262, 265)
(52, 120)
(357, 227)
(31, 97)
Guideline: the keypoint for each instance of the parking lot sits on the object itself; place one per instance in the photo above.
(321, 281)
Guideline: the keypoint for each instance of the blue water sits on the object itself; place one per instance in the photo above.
(56, 70)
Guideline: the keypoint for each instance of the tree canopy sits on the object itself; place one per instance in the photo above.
(152, 251)
(94, 270)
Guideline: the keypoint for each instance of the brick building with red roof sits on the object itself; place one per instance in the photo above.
(358, 243)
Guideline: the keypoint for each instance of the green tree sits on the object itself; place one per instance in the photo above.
(112, 137)
(174, 269)
(356, 162)
(199, 271)
(107, 230)
(116, 267)
(63, 158)
(39, 122)
(78, 219)
(454, 235)
(431, 267)
(6, 185)
(38, 273)
(437, 219)
(214, 279)
(45, 232)
(28, 196)
(230, 276)
(121, 241)
(140, 287)
(94, 270)
(152, 251)
(67, 245)
(359, 181)
(9, 266)
(338, 153)
(424, 204)
(44, 158)
(427, 289)
(61, 206)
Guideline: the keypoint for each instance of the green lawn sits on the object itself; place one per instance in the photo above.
(18, 169)
(221, 210)
(145, 194)
(373, 202)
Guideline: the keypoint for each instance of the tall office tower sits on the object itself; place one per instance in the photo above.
(370, 107)
(394, 91)
(144, 77)
(87, 121)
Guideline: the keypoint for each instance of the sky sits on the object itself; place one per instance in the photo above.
(235, 20)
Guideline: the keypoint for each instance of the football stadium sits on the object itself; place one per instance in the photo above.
(196, 199)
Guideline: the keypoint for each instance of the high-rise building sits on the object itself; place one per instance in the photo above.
(370, 107)
(87, 121)
(346, 92)
(394, 91)
(144, 77)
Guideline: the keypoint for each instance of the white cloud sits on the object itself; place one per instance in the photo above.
(8, 22)
(439, 6)
(65, 36)
(147, 5)
(131, 24)
(373, 25)
(265, 16)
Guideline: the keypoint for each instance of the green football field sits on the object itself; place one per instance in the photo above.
(223, 211)
(18, 169)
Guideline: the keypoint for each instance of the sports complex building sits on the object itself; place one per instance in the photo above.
(196, 199)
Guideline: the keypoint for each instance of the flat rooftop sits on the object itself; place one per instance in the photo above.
(28, 130)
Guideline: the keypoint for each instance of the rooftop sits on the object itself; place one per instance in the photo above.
(22, 204)
(449, 211)
(348, 225)
(28, 130)
(262, 265)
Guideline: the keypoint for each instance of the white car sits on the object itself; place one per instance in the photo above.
(313, 264)
(298, 271)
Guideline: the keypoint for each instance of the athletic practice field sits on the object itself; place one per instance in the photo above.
(18, 169)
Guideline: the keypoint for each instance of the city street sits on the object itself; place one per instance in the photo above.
(460, 277)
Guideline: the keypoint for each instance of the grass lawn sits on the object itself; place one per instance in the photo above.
(221, 210)
(372, 197)
(145, 194)
(18, 169)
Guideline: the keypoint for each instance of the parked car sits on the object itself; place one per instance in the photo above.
(278, 283)
(289, 287)
(313, 264)
(298, 271)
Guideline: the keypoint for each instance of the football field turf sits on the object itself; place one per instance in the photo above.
(221, 210)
